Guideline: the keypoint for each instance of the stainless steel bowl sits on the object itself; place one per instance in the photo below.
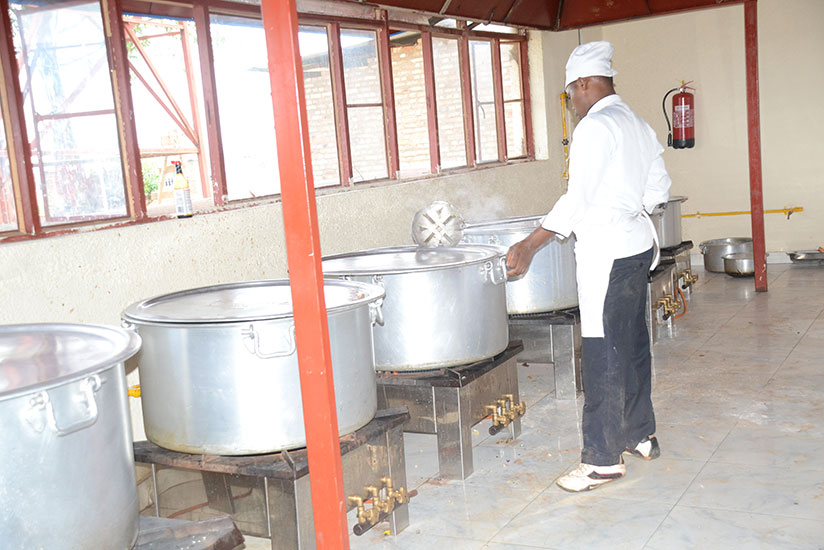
(739, 264)
(715, 250)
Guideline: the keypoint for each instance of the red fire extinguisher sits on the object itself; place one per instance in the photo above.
(682, 133)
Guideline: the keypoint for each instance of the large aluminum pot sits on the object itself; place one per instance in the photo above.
(67, 477)
(550, 283)
(668, 223)
(443, 306)
(219, 371)
(715, 250)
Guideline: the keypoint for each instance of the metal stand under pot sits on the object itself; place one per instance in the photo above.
(552, 337)
(449, 401)
(268, 495)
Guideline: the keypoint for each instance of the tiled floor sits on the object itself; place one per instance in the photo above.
(739, 399)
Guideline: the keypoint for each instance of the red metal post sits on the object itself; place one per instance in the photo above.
(207, 76)
(431, 102)
(754, 131)
(280, 23)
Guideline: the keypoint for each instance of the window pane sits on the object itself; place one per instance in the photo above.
(410, 104)
(64, 74)
(450, 106)
(367, 136)
(515, 134)
(360, 66)
(317, 83)
(368, 146)
(244, 96)
(511, 70)
(8, 215)
(483, 98)
(169, 127)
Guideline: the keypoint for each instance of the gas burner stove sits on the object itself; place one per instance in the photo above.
(672, 251)
(269, 495)
(448, 402)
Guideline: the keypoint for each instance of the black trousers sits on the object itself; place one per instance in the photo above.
(616, 369)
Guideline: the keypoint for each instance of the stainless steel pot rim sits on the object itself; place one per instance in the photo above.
(738, 256)
(39, 356)
(726, 241)
(677, 198)
(409, 259)
(243, 302)
(515, 224)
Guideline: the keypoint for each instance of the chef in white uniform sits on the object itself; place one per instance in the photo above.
(616, 176)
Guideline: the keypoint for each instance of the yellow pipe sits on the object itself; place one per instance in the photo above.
(565, 141)
(786, 211)
(134, 391)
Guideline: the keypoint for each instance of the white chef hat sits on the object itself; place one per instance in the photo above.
(590, 59)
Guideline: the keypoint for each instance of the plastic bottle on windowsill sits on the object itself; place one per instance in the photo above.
(183, 198)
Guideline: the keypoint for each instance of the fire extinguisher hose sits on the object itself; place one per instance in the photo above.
(664, 107)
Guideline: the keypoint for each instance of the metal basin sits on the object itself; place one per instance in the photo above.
(739, 265)
(67, 477)
(715, 250)
(219, 371)
(550, 283)
(444, 306)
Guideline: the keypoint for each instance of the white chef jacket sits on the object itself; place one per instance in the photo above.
(615, 173)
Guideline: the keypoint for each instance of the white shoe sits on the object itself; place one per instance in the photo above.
(647, 449)
(586, 477)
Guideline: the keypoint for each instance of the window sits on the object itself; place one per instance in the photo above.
(165, 83)
(320, 109)
(244, 94)
(452, 144)
(69, 110)
(410, 103)
(483, 101)
(385, 99)
(513, 100)
(364, 104)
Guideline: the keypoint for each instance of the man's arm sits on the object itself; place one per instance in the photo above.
(521, 253)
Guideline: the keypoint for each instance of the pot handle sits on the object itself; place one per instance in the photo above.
(376, 312)
(250, 333)
(42, 401)
(496, 271)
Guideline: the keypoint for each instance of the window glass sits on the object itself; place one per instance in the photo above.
(244, 94)
(410, 103)
(367, 136)
(317, 84)
(513, 100)
(165, 83)
(8, 215)
(69, 109)
(483, 100)
(451, 139)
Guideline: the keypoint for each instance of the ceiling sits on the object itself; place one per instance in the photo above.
(554, 15)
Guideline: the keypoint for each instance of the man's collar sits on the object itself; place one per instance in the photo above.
(604, 102)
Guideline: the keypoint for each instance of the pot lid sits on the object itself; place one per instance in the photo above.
(504, 225)
(247, 301)
(38, 356)
(408, 259)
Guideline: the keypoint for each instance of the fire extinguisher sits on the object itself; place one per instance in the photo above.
(682, 133)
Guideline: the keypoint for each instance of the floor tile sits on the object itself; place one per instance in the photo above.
(756, 445)
(689, 528)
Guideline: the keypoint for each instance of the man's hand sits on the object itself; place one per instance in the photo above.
(518, 258)
(521, 253)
